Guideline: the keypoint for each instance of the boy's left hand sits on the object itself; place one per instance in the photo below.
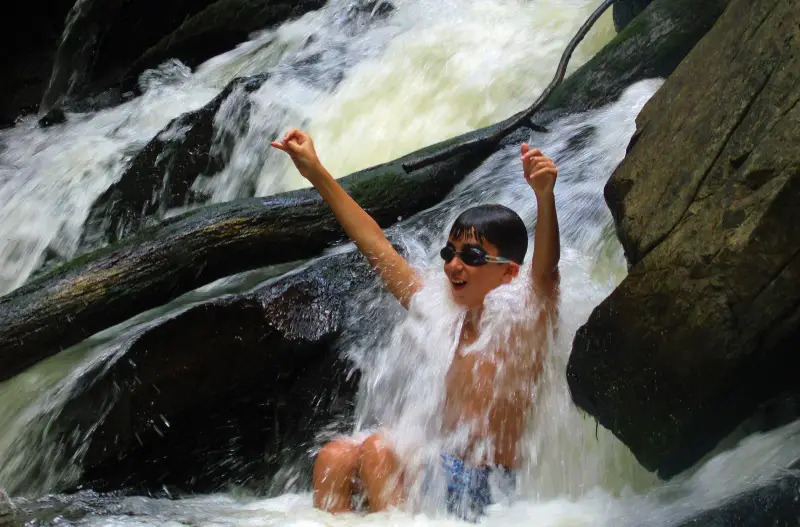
(539, 170)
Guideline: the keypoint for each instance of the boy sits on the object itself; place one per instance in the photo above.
(485, 249)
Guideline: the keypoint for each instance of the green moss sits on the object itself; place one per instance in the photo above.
(642, 50)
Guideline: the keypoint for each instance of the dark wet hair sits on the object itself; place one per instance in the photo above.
(498, 225)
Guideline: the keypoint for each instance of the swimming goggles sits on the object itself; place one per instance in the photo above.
(471, 256)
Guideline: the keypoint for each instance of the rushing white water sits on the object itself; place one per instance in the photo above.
(336, 71)
(381, 88)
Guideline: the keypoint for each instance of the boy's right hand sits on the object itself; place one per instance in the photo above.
(300, 148)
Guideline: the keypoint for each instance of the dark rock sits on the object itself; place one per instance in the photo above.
(111, 42)
(704, 328)
(28, 37)
(54, 116)
(103, 37)
(161, 174)
(627, 10)
(224, 393)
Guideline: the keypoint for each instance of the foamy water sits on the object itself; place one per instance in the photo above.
(381, 88)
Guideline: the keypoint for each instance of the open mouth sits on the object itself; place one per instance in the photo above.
(458, 284)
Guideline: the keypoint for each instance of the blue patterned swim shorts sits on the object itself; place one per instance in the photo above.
(469, 488)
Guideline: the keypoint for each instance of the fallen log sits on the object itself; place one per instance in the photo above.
(105, 287)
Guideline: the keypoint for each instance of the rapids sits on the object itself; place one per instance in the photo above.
(377, 87)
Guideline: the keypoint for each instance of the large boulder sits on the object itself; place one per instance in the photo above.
(705, 326)
(225, 392)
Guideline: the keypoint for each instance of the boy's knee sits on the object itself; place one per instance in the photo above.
(375, 448)
(338, 454)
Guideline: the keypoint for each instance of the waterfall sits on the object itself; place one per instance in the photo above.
(369, 88)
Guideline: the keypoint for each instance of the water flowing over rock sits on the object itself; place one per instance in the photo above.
(704, 328)
(662, 36)
(162, 173)
(107, 44)
(774, 503)
(219, 27)
(160, 176)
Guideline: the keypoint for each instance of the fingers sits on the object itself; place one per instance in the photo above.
(534, 160)
(292, 140)
(539, 167)
(530, 154)
(295, 135)
(542, 171)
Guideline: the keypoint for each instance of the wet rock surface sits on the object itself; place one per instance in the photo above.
(774, 504)
(225, 392)
(627, 10)
(217, 28)
(704, 328)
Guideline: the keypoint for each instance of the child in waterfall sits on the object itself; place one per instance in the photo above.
(488, 393)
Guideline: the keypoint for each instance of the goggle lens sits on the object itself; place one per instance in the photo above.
(471, 256)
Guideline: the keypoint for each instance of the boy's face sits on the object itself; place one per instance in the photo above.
(470, 285)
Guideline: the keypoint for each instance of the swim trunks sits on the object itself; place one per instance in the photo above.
(469, 488)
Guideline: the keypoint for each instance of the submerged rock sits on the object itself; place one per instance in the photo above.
(704, 328)
(774, 504)
(54, 116)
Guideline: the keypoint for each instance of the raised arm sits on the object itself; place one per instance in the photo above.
(394, 270)
(541, 173)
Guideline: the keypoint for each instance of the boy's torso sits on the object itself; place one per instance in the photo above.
(491, 403)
